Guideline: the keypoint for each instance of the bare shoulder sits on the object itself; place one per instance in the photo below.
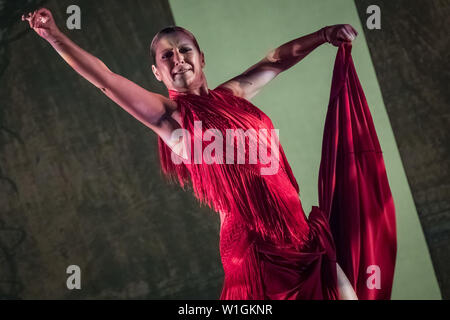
(167, 109)
(167, 128)
(249, 83)
(234, 86)
(170, 105)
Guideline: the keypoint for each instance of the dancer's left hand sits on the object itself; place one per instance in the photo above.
(340, 33)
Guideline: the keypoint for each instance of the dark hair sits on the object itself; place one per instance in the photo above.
(169, 30)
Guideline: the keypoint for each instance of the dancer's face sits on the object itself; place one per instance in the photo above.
(179, 64)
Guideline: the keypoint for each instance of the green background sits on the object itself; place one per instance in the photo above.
(236, 34)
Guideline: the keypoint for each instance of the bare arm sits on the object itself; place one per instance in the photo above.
(251, 81)
(152, 109)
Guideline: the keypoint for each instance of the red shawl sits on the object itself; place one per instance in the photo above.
(269, 249)
(353, 186)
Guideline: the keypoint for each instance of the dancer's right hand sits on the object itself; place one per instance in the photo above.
(42, 22)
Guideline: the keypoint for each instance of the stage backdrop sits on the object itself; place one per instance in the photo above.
(80, 182)
(236, 34)
(79, 177)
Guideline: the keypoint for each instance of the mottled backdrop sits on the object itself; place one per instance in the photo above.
(80, 181)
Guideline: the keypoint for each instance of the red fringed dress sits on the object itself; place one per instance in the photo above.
(269, 248)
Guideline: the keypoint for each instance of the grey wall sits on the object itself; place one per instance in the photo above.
(79, 177)
(411, 58)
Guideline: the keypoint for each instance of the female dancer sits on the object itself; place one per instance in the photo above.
(269, 249)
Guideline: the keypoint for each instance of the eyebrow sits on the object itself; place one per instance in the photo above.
(181, 45)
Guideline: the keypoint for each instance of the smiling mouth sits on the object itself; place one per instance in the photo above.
(182, 71)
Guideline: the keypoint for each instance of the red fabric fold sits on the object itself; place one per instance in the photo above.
(353, 186)
(269, 249)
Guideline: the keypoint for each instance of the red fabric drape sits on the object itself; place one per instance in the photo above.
(353, 186)
(269, 249)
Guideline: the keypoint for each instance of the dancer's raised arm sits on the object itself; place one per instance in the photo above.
(251, 81)
(150, 108)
